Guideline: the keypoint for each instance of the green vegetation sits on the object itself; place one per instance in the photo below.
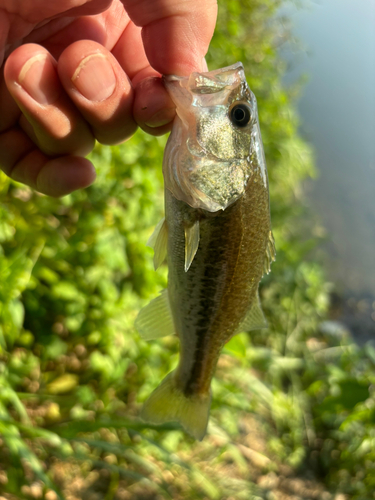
(293, 410)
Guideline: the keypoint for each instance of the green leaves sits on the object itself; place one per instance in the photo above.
(75, 271)
(347, 394)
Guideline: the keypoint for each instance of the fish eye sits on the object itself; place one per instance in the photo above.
(240, 115)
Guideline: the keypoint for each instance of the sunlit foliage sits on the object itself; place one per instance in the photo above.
(73, 371)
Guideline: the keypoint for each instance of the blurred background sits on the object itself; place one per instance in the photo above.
(293, 407)
(333, 47)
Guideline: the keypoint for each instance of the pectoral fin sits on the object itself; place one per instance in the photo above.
(159, 241)
(254, 320)
(191, 243)
(155, 320)
(270, 254)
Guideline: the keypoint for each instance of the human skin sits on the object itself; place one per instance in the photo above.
(78, 70)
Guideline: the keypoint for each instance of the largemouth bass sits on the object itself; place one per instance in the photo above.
(216, 235)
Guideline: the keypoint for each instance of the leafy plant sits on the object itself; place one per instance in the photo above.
(74, 272)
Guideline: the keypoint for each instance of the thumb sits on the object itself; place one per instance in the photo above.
(176, 33)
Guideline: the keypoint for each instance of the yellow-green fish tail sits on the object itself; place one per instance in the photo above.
(167, 403)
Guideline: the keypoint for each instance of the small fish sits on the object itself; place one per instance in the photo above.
(216, 236)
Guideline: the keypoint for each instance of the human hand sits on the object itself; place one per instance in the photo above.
(75, 71)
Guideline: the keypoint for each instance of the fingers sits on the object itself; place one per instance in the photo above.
(24, 162)
(64, 106)
(176, 35)
(173, 38)
(99, 88)
(50, 124)
(39, 10)
(153, 109)
(87, 87)
(10, 112)
(56, 125)
(105, 28)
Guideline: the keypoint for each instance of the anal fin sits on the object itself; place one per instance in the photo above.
(159, 241)
(191, 243)
(155, 320)
(254, 319)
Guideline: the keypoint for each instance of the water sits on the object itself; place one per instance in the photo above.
(337, 109)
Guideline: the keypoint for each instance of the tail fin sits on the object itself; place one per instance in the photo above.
(167, 403)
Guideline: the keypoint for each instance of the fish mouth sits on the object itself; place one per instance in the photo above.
(208, 82)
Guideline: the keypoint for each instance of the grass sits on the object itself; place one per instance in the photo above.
(293, 407)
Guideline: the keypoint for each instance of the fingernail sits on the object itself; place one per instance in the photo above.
(94, 78)
(38, 77)
(161, 118)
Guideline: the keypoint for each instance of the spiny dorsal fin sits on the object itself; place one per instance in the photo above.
(159, 241)
(270, 253)
(191, 243)
(254, 319)
(155, 320)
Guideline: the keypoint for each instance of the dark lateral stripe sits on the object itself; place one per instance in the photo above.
(212, 256)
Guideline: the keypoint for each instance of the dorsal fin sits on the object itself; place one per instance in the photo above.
(191, 243)
(159, 241)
